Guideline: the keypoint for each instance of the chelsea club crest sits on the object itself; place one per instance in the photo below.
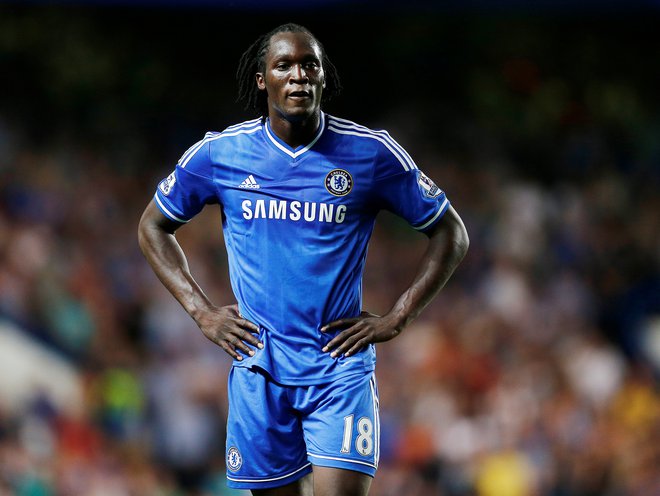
(234, 459)
(339, 182)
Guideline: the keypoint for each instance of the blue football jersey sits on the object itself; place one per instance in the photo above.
(296, 225)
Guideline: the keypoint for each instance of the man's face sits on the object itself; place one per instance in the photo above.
(293, 76)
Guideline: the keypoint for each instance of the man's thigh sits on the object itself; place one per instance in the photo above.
(338, 482)
(301, 487)
(323, 481)
(341, 423)
(269, 449)
(265, 443)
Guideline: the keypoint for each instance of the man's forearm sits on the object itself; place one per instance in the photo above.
(169, 263)
(448, 244)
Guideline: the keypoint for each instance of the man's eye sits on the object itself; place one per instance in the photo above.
(282, 67)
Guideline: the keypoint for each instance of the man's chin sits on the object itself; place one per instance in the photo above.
(299, 114)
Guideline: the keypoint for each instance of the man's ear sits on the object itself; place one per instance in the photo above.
(261, 82)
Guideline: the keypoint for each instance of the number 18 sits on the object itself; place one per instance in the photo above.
(364, 443)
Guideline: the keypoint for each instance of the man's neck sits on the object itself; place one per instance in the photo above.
(295, 132)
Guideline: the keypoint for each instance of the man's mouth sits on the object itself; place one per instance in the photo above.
(300, 94)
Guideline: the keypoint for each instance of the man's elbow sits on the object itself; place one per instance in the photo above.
(456, 232)
(143, 233)
(461, 241)
(147, 228)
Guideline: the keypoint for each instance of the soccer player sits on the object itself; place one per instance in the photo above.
(299, 191)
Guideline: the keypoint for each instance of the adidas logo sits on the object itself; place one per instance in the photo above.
(249, 183)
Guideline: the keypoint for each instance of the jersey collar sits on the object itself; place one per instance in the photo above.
(293, 153)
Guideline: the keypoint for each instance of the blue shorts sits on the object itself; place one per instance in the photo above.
(276, 433)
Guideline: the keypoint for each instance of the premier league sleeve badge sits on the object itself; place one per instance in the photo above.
(427, 186)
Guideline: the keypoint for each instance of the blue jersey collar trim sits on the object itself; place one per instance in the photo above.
(281, 145)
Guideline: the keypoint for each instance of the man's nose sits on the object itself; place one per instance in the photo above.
(298, 73)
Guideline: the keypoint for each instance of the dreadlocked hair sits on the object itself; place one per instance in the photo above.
(253, 60)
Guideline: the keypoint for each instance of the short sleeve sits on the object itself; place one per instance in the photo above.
(406, 191)
(182, 195)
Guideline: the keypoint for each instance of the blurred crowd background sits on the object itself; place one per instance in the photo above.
(535, 373)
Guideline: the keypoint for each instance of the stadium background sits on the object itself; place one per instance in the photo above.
(534, 373)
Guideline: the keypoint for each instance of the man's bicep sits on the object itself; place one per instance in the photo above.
(414, 197)
(183, 194)
(450, 221)
(154, 218)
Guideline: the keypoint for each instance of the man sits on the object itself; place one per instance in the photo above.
(299, 191)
